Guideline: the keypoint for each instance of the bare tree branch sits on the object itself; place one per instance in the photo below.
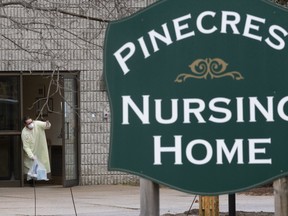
(31, 6)
(22, 48)
(52, 34)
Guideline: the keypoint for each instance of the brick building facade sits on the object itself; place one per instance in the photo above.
(47, 39)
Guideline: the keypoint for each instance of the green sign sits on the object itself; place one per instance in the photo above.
(199, 94)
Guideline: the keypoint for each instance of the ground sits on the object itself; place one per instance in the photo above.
(238, 213)
(261, 191)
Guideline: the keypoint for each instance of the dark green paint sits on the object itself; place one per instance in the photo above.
(265, 73)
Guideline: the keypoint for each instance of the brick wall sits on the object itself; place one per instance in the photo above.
(36, 40)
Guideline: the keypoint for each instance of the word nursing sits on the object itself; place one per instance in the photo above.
(193, 113)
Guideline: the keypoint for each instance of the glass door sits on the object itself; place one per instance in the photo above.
(10, 126)
(70, 137)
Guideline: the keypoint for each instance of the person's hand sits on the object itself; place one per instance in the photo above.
(47, 123)
(34, 157)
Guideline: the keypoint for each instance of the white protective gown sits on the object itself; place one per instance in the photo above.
(35, 144)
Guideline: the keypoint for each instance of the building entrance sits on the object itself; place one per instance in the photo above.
(41, 98)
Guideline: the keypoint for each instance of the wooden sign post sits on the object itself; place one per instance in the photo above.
(209, 206)
(281, 196)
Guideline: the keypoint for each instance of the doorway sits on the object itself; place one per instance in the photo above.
(34, 96)
(35, 93)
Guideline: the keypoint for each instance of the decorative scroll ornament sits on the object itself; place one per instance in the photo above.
(202, 68)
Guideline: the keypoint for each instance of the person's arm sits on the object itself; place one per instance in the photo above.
(26, 147)
(44, 125)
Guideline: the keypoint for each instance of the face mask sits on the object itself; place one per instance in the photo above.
(31, 125)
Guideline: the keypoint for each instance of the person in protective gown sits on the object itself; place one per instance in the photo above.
(34, 143)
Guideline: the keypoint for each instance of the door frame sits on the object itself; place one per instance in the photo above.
(71, 182)
(75, 75)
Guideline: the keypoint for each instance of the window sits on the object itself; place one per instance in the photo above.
(9, 103)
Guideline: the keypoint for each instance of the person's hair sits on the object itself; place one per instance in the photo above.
(25, 119)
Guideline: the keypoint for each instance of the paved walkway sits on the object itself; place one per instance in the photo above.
(107, 200)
